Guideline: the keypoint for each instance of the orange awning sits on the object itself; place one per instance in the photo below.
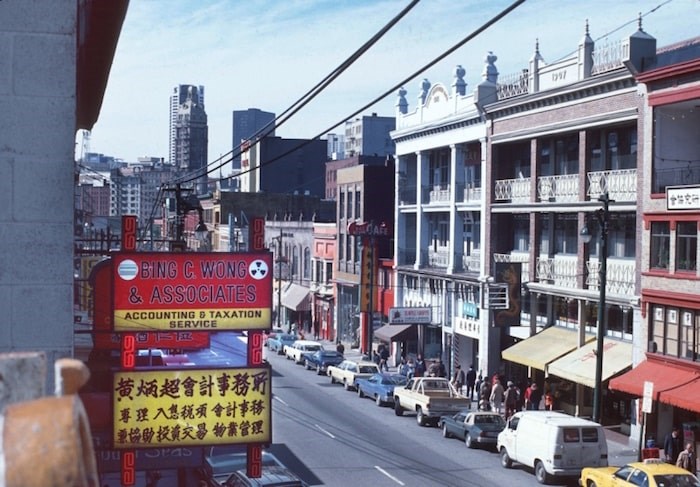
(674, 383)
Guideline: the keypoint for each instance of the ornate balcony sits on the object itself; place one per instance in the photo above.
(561, 188)
(620, 276)
(471, 192)
(513, 190)
(559, 270)
(621, 185)
(439, 194)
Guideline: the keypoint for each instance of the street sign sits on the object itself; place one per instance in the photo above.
(200, 291)
(648, 397)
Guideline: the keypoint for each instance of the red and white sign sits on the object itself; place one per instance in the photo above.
(156, 291)
(369, 229)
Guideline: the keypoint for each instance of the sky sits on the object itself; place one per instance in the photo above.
(266, 54)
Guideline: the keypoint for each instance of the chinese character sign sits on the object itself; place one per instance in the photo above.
(192, 291)
(191, 407)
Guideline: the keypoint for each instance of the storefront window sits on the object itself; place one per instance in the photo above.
(686, 246)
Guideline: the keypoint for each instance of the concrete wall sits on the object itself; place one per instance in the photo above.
(37, 136)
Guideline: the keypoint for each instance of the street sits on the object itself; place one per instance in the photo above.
(330, 436)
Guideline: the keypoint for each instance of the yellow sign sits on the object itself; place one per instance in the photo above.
(191, 407)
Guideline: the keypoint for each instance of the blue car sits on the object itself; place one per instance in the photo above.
(279, 341)
(380, 387)
(321, 359)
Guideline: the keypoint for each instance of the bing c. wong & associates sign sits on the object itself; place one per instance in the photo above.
(156, 291)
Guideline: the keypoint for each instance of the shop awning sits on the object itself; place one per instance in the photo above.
(542, 348)
(396, 333)
(296, 297)
(579, 366)
(673, 383)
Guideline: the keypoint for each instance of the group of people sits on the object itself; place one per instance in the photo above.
(676, 455)
(493, 396)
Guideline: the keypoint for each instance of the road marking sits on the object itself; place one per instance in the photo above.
(280, 400)
(389, 475)
(325, 431)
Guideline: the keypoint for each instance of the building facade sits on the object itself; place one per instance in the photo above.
(369, 135)
(177, 98)
(246, 124)
(192, 140)
(323, 299)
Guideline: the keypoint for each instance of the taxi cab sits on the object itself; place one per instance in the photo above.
(651, 472)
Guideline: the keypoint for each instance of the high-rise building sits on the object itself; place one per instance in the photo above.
(191, 139)
(369, 136)
(245, 124)
(177, 98)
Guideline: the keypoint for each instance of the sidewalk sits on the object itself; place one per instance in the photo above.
(620, 451)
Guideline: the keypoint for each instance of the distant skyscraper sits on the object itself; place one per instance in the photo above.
(177, 98)
(245, 124)
(369, 136)
(192, 139)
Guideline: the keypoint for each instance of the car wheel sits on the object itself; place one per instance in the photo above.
(445, 433)
(319, 370)
(398, 410)
(506, 461)
(379, 401)
(540, 473)
(360, 393)
(420, 417)
(468, 441)
(346, 385)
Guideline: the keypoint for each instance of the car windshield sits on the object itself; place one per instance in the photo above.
(397, 380)
(676, 480)
(367, 369)
(313, 348)
(489, 420)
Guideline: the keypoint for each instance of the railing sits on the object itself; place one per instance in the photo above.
(561, 188)
(559, 270)
(609, 57)
(621, 185)
(619, 276)
(472, 192)
(436, 259)
(511, 85)
(439, 194)
(513, 190)
(471, 263)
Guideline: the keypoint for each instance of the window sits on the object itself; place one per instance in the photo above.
(660, 244)
(589, 435)
(566, 234)
(639, 478)
(686, 246)
(341, 204)
(621, 235)
(358, 204)
(571, 435)
(306, 268)
(521, 233)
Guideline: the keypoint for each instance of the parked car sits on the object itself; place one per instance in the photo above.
(348, 371)
(650, 473)
(320, 360)
(271, 333)
(474, 427)
(380, 387)
(279, 341)
(553, 443)
(296, 350)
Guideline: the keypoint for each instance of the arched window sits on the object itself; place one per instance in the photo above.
(306, 267)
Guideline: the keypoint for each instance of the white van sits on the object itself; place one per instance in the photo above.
(553, 443)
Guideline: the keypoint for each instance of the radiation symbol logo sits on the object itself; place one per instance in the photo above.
(258, 269)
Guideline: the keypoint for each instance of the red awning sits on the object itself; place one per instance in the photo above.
(674, 383)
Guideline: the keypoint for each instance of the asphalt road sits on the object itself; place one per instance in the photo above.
(330, 436)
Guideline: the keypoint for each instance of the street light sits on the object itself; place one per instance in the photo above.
(602, 215)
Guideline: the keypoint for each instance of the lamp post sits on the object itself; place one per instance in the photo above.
(602, 215)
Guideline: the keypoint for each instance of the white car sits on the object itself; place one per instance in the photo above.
(296, 350)
(348, 371)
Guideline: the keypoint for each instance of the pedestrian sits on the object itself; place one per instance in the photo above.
(434, 369)
(485, 389)
(419, 369)
(404, 369)
(533, 396)
(441, 371)
(459, 378)
(471, 381)
(673, 445)
(340, 348)
(511, 398)
(384, 359)
(686, 459)
(496, 397)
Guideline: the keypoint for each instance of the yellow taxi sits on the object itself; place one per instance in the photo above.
(649, 473)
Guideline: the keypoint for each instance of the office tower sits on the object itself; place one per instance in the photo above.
(191, 139)
(245, 124)
(177, 98)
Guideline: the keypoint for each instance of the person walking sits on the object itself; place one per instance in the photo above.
(496, 397)
(686, 459)
(511, 399)
(533, 396)
(419, 369)
(384, 359)
(458, 379)
(672, 445)
(471, 381)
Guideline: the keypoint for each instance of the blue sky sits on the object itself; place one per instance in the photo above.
(267, 53)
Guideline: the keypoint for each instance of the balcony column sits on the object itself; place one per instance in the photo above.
(456, 239)
(422, 226)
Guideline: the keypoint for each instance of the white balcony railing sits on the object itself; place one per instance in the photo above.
(621, 185)
(513, 190)
(619, 276)
(471, 262)
(559, 270)
(472, 193)
(559, 188)
(439, 194)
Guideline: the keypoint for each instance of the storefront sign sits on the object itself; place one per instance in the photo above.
(410, 316)
(683, 198)
(191, 407)
(192, 291)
